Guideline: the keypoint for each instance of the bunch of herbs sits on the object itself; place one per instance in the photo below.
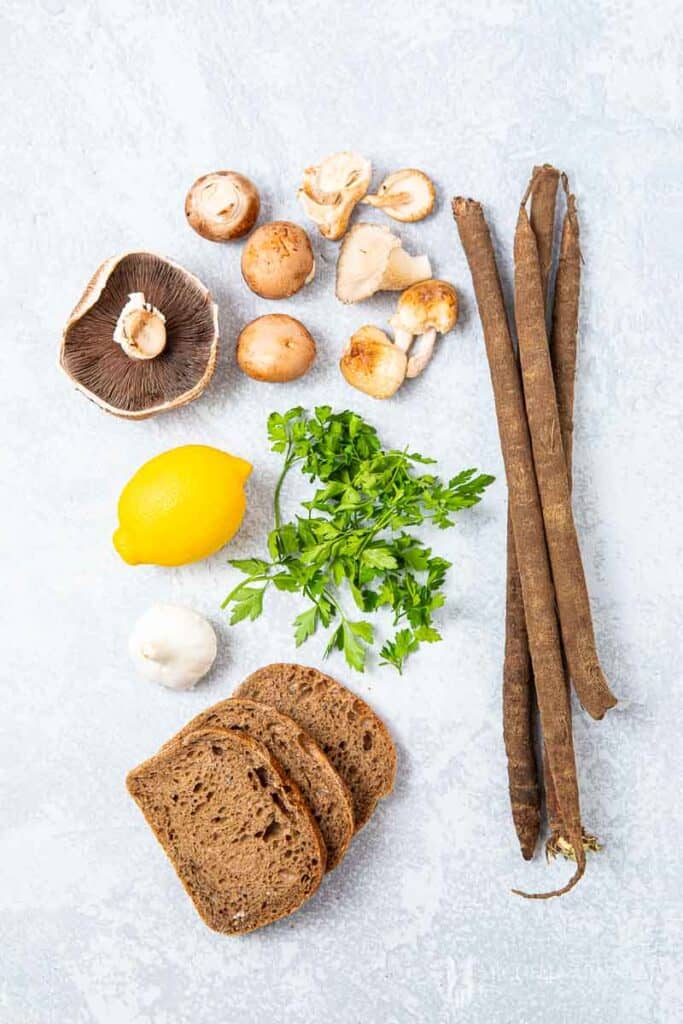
(356, 535)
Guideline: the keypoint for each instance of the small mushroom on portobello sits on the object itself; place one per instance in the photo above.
(424, 310)
(372, 363)
(143, 337)
(222, 206)
(277, 260)
(406, 195)
(330, 191)
(372, 259)
(275, 348)
(141, 328)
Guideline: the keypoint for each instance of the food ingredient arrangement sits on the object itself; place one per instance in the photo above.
(258, 795)
(164, 323)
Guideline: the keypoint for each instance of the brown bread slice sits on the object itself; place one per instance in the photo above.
(237, 831)
(301, 758)
(350, 733)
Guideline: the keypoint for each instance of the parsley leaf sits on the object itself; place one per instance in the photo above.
(397, 650)
(247, 604)
(305, 625)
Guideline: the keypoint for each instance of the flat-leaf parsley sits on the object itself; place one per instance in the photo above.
(354, 536)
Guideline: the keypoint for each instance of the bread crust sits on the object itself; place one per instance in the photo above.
(326, 794)
(353, 737)
(226, 816)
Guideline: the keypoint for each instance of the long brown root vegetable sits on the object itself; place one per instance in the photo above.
(518, 684)
(551, 472)
(518, 712)
(527, 521)
(563, 358)
(562, 342)
(543, 194)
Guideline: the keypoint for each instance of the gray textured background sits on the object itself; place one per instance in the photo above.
(109, 111)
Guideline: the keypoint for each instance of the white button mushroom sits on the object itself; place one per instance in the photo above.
(372, 363)
(173, 646)
(372, 259)
(406, 195)
(331, 189)
(423, 310)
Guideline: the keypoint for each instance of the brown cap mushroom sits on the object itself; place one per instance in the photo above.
(372, 259)
(143, 337)
(372, 363)
(222, 206)
(277, 260)
(330, 191)
(424, 310)
(406, 195)
(275, 348)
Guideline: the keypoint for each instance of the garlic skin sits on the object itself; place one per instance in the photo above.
(173, 646)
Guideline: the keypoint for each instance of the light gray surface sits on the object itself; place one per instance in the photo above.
(109, 111)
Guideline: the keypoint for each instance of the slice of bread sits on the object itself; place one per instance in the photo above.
(237, 831)
(350, 733)
(301, 758)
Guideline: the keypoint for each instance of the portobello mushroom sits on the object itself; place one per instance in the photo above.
(143, 338)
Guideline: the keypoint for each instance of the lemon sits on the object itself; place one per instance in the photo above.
(181, 506)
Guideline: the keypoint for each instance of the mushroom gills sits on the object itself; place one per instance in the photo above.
(372, 259)
(118, 380)
(222, 206)
(407, 195)
(331, 190)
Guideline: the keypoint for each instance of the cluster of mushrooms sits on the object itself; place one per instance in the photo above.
(144, 336)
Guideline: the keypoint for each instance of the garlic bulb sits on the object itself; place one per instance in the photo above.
(173, 646)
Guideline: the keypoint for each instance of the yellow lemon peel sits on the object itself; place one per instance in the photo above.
(181, 506)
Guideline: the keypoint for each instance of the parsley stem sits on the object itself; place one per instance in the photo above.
(278, 487)
(245, 583)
